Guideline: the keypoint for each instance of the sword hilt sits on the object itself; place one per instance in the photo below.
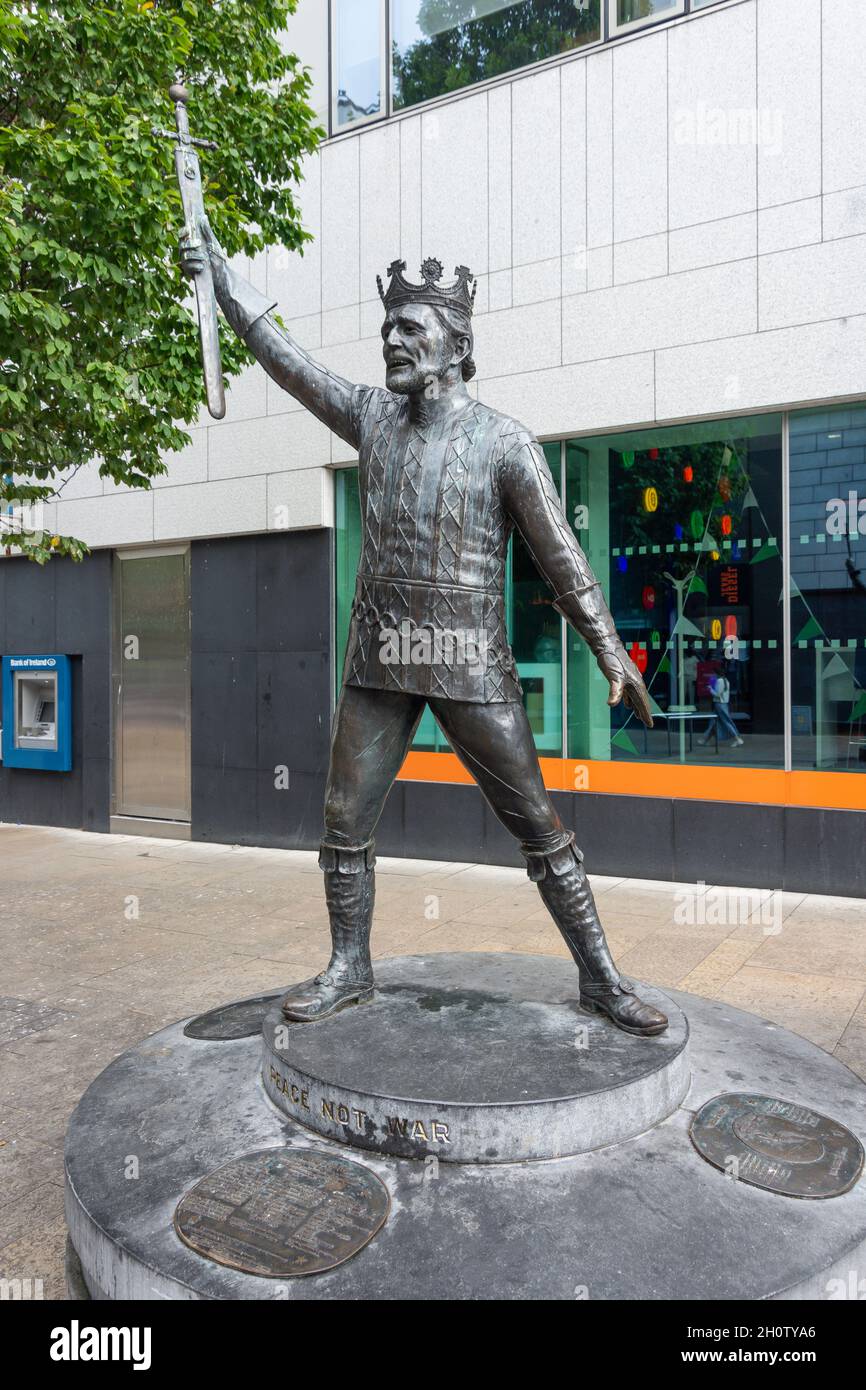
(180, 96)
(173, 135)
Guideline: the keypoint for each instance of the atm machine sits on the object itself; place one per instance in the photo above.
(37, 713)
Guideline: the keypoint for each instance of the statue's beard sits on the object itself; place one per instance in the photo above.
(405, 380)
(414, 379)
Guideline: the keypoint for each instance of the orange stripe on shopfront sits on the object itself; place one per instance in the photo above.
(752, 785)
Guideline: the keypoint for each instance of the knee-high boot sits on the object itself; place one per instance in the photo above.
(568, 897)
(348, 978)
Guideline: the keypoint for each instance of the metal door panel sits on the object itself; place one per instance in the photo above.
(152, 686)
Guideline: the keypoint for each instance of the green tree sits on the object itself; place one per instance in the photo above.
(99, 355)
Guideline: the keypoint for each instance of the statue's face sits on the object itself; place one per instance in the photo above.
(417, 347)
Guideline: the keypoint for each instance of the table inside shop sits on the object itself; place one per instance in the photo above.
(703, 716)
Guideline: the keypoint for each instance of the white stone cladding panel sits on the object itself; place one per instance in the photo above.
(789, 95)
(293, 279)
(599, 144)
(499, 178)
(646, 258)
(124, 519)
(541, 280)
(341, 228)
(272, 444)
(845, 213)
(640, 138)
(301, 499)
(380, 204)
(712, 75)
(80, 482)
(688, 308)
(246, 399)
(792, 366)
(520, 340)
(713, 243)
(843, 115)
(573, 177)
(580, 399)
(341, 325)
(813, 283)
(187, 465)
(410, 191)
(226, 508)
(454, 210)
(792, 224)
(535, 137)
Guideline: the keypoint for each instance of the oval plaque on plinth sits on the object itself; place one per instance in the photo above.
(476, 1058)
(280, 1213)
(778, 1145)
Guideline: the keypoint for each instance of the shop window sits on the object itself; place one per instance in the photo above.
(535, 633)
(683, 529)
(828, 589)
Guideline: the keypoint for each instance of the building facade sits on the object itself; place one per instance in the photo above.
(664, 203)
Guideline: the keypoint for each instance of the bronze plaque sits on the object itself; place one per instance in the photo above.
(777, 1145)
(280, 1213)
(242, 1019)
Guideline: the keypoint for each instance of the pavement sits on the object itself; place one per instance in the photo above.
(107, 938)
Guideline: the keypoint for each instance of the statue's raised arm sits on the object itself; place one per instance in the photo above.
(331, 399)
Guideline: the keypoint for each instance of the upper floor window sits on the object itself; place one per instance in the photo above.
(628, 14)
(358, 78)
(388, 55)
(439, 46)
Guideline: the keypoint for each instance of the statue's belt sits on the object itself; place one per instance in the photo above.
(383, 602)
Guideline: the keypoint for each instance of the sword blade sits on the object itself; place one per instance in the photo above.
(189, 183)
(208, 332)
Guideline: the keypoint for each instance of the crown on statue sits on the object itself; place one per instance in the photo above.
(459, 297)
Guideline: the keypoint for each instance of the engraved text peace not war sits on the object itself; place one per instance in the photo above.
(398, 1126)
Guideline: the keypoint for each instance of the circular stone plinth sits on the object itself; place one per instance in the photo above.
(645, 1219)
(475, 1058)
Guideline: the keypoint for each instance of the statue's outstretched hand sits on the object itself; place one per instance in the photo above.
(626, 683)
(195, 252)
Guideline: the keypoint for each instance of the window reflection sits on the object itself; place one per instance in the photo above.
(535, 633)
(635, 11)
(828, 589)
(439, 46)
(358, 60)
(683, 529)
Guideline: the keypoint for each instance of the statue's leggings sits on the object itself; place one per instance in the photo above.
(372, 733)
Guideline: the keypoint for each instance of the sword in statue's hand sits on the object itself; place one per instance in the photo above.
(189, 182)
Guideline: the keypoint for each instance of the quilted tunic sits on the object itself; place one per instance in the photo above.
(439, 501)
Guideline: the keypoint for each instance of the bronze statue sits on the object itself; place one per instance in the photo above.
(443, 482)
